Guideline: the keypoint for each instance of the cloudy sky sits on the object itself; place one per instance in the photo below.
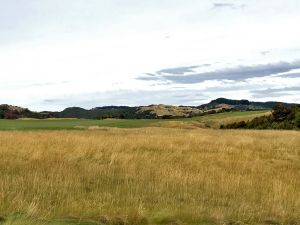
(60, 53)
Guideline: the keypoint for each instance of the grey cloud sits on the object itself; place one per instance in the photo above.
(228, 5)
(150, 74)
(149, 78)
(181, 70)
(270, 95)
(178, 70)
(169, 71)
(291, 75)
(275, 92)
(127, 97)
(239, 73)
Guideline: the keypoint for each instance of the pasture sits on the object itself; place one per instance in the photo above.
(212, 121)
(150, 175)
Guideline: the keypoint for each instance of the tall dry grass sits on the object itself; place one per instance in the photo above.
(152, 174)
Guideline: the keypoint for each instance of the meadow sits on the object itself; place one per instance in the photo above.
(212, 121)
(150, 175)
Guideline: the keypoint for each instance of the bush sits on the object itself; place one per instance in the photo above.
(281, 118)
(297, 119)
(280, 112)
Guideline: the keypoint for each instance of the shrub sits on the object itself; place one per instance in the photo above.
(281, 118)
(280, 112)
(297, 119)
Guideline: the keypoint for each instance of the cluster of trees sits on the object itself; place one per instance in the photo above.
(115, 112)
(106, 112)
(230, 101)
(282, 117)
(11, 112)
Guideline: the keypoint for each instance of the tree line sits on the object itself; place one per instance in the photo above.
(282, 117)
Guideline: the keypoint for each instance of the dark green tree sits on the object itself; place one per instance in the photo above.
(280, 112)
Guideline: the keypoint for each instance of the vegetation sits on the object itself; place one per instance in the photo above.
(14, 112)
(117, 112)
(141, 112)
(67, 124)
(241, 105)
(211, 121)
(282, 117)
(215, 120)
(163, 177)
(149, 176)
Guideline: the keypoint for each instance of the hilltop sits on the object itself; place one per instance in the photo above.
(16, 112)
(240, 105)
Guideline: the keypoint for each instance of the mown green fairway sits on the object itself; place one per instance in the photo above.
(212, 121)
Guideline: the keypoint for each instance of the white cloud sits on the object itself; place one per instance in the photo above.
(78, 48)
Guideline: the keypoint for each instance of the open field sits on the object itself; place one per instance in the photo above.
(212, 121)
(67, 124)
(149, 176)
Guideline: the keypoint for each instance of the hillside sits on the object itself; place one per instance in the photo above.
(16, 112)
(282, 117)
(168, 111)
(118, 112)
(240, 105)
(141, 112)
(163, 111)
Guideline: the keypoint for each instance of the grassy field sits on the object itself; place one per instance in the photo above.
(154, 176)
(212, 121)
(58, 124)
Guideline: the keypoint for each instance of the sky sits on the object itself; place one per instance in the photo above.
(88, 53)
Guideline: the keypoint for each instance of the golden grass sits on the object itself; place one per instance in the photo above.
(215, 120)
(157, 175)
(28, 118)
(178, 124)
(209, 121)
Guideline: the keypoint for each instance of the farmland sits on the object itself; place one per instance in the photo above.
(57, 124)
(155, 172)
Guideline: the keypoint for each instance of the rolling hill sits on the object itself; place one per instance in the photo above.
(240, 105)
(141, 112)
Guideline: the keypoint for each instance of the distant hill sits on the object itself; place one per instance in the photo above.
(126, 112)
(282, 117)
(240, 105)
(16, 112)
(140, 112)
(168, 111)
(120, 112)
